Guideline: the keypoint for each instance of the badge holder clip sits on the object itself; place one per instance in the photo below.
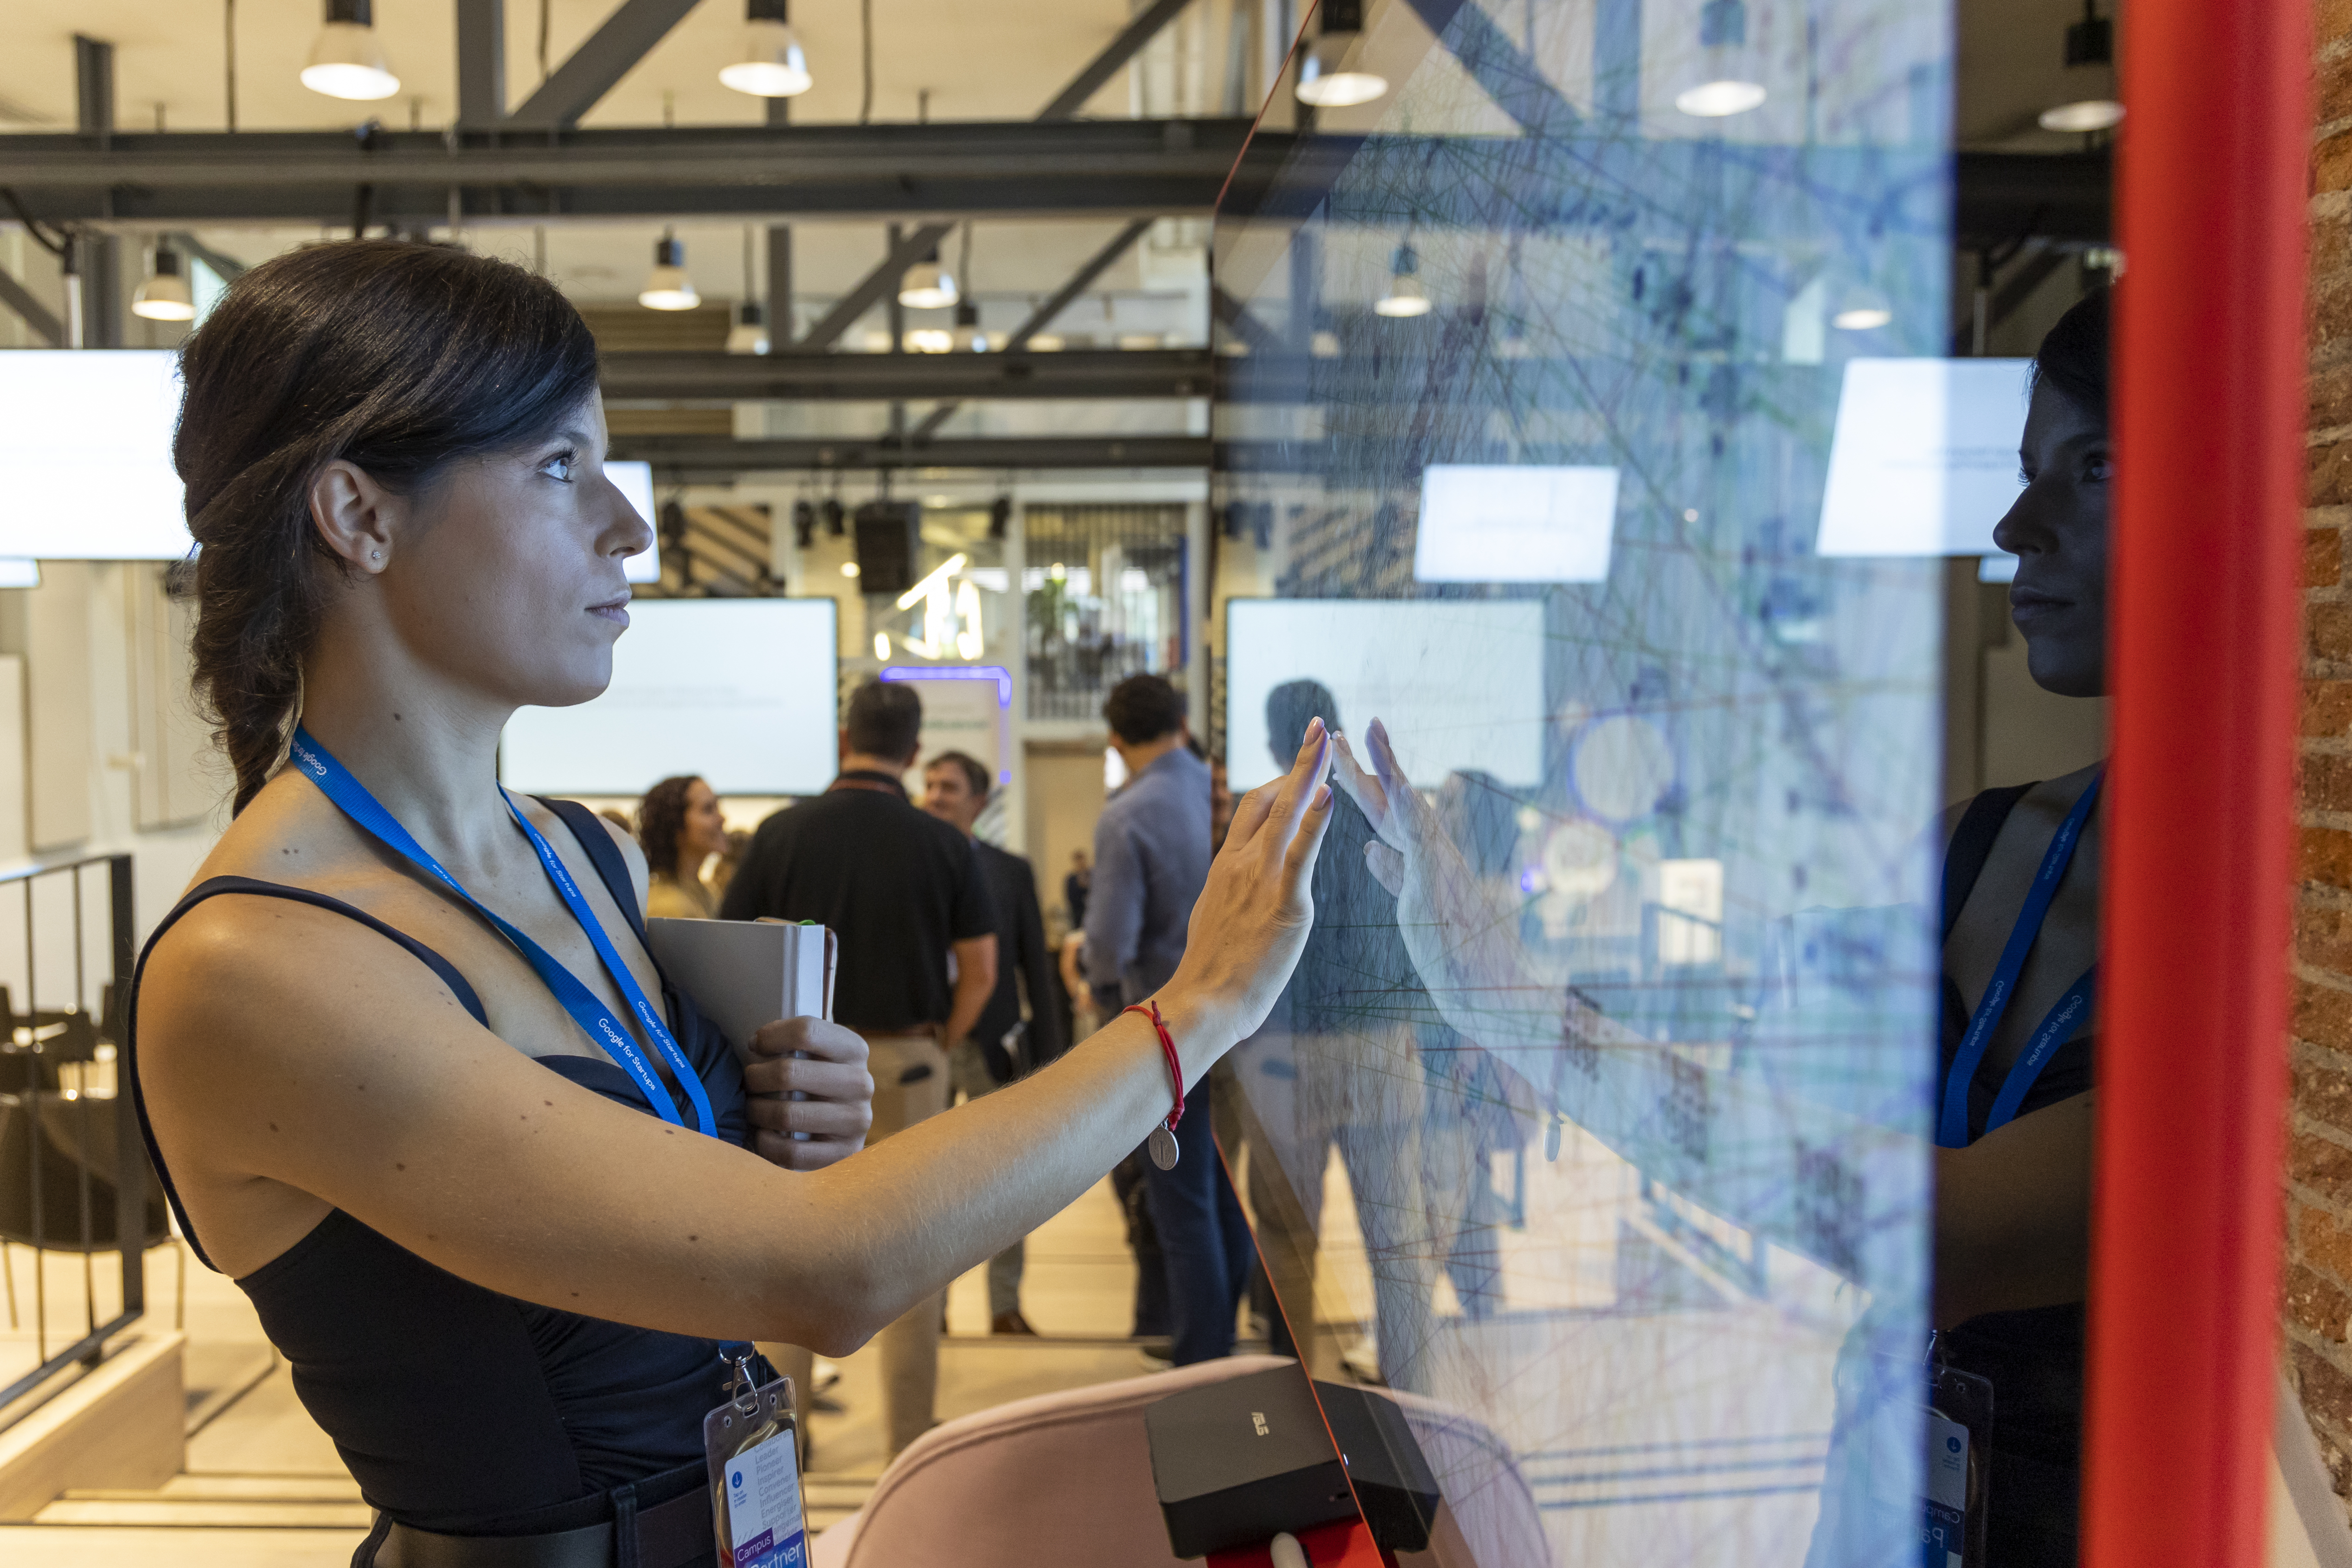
(752, 1444)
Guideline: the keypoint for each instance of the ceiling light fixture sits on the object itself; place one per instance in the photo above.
(969, 338)
(1326, 80)
(164, 296)
(749, 334)
(927, 284)
(668, 288)
(348, 61)
(1725, 88)
(1862, 310)
(772, 64)
(2090, 42)
(1406, 298)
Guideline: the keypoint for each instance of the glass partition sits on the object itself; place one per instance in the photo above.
(1595, 1123)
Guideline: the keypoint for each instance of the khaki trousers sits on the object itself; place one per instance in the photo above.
(910, 1085)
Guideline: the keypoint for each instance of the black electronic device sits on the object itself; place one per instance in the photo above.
(1394, 1485)
(1237, 1462)
(886, 546)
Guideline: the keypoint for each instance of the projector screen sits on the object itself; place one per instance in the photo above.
(1923, 459)
(86, 459)
(1406, 663)
(740, 691)
(86, 454)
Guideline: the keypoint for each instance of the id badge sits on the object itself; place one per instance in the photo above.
(1955, 1493)
(752, 1444)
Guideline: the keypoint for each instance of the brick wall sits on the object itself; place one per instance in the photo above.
(2317, 1291)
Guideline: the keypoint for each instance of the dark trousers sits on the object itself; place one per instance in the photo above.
(1150, 1270)
(1203, 1238)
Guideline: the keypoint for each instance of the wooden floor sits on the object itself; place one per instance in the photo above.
(264, 1487)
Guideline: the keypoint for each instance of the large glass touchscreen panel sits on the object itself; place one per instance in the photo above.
(1595, 1123)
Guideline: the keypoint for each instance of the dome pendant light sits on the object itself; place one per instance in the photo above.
(749, 334)
(164, 296)
(969, 338)
(1862, 308)
(927, 284)
(1405, 297)
(668, 288)
(1325, 79)
(772, 64)
(1726, 88)
(2089, 42)
(348, 61)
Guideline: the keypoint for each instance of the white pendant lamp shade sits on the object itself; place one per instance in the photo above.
(772, 64)
(969, 338)
(749, 334)
(668, 288)
(1862, 310)
(164, 296)
(927, 286)
(1406, 298)
(348, 61)
(1326, 82)
(1325, 78)
(1726, 84)
(2088, 115)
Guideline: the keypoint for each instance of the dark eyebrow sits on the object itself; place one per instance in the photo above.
(575, 437)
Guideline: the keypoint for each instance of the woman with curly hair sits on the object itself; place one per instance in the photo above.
(679, 828)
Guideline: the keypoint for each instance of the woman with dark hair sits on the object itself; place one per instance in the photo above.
(505, 1238)
(678, 827)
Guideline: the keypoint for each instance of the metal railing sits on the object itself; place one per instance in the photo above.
(74, 1173)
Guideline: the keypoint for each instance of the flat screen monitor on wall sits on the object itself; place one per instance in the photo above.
(740, 691)
(86, 468)
(1458, 683)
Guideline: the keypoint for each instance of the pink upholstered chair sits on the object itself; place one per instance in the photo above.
(1065, 1478)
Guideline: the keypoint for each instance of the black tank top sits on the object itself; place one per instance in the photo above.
(2033, 1358)
(458, 1409)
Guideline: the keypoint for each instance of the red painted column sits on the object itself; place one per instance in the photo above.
(2205, 633)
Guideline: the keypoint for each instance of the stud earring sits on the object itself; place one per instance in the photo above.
(375, 555)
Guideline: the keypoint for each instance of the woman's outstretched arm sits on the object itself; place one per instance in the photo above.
(290, 1057)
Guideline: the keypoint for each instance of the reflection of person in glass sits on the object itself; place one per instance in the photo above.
(2013, 1108)
(1337, 1064)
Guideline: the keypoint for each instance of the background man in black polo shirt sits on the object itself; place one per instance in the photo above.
(905, 893)
(1002, 1047)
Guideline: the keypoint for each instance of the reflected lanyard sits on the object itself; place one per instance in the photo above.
(2057, 1025)
(335, 781)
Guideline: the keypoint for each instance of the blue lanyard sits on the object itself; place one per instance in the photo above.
(2057, 1025)
(335, 781)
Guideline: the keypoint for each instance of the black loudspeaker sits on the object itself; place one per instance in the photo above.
(886, 547)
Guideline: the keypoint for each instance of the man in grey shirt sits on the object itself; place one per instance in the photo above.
(1151, 858)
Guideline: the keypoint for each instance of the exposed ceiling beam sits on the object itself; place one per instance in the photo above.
(1039, 319)
(688, 459)
(1121, 49)
(1252, 332)
(597, 66)
(849, 378)
(220, 261)
(826, 330)
(482, 63)
(31, 311)
(1092, 168)
(1132, 39)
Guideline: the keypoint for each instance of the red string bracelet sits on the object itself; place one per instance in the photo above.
(1162, 1143)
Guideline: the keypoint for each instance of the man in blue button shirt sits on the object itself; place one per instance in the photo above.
(1152, 857)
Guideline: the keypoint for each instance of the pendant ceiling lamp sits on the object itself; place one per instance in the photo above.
(1327, 80)
(348, 61)
(1862, 308)
(1726, 84)
(771, 64)
(2090, 42)
(749, 334)
(1406, 298)
(164, 296)
(927, 286)
(668, 288)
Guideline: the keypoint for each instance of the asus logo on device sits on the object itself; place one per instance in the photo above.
(1257, 1420)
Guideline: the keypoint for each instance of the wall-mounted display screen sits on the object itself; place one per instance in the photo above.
(636, 481)
(740, 691)
(1485, 522)
(1923, 459)
(1401, 662)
